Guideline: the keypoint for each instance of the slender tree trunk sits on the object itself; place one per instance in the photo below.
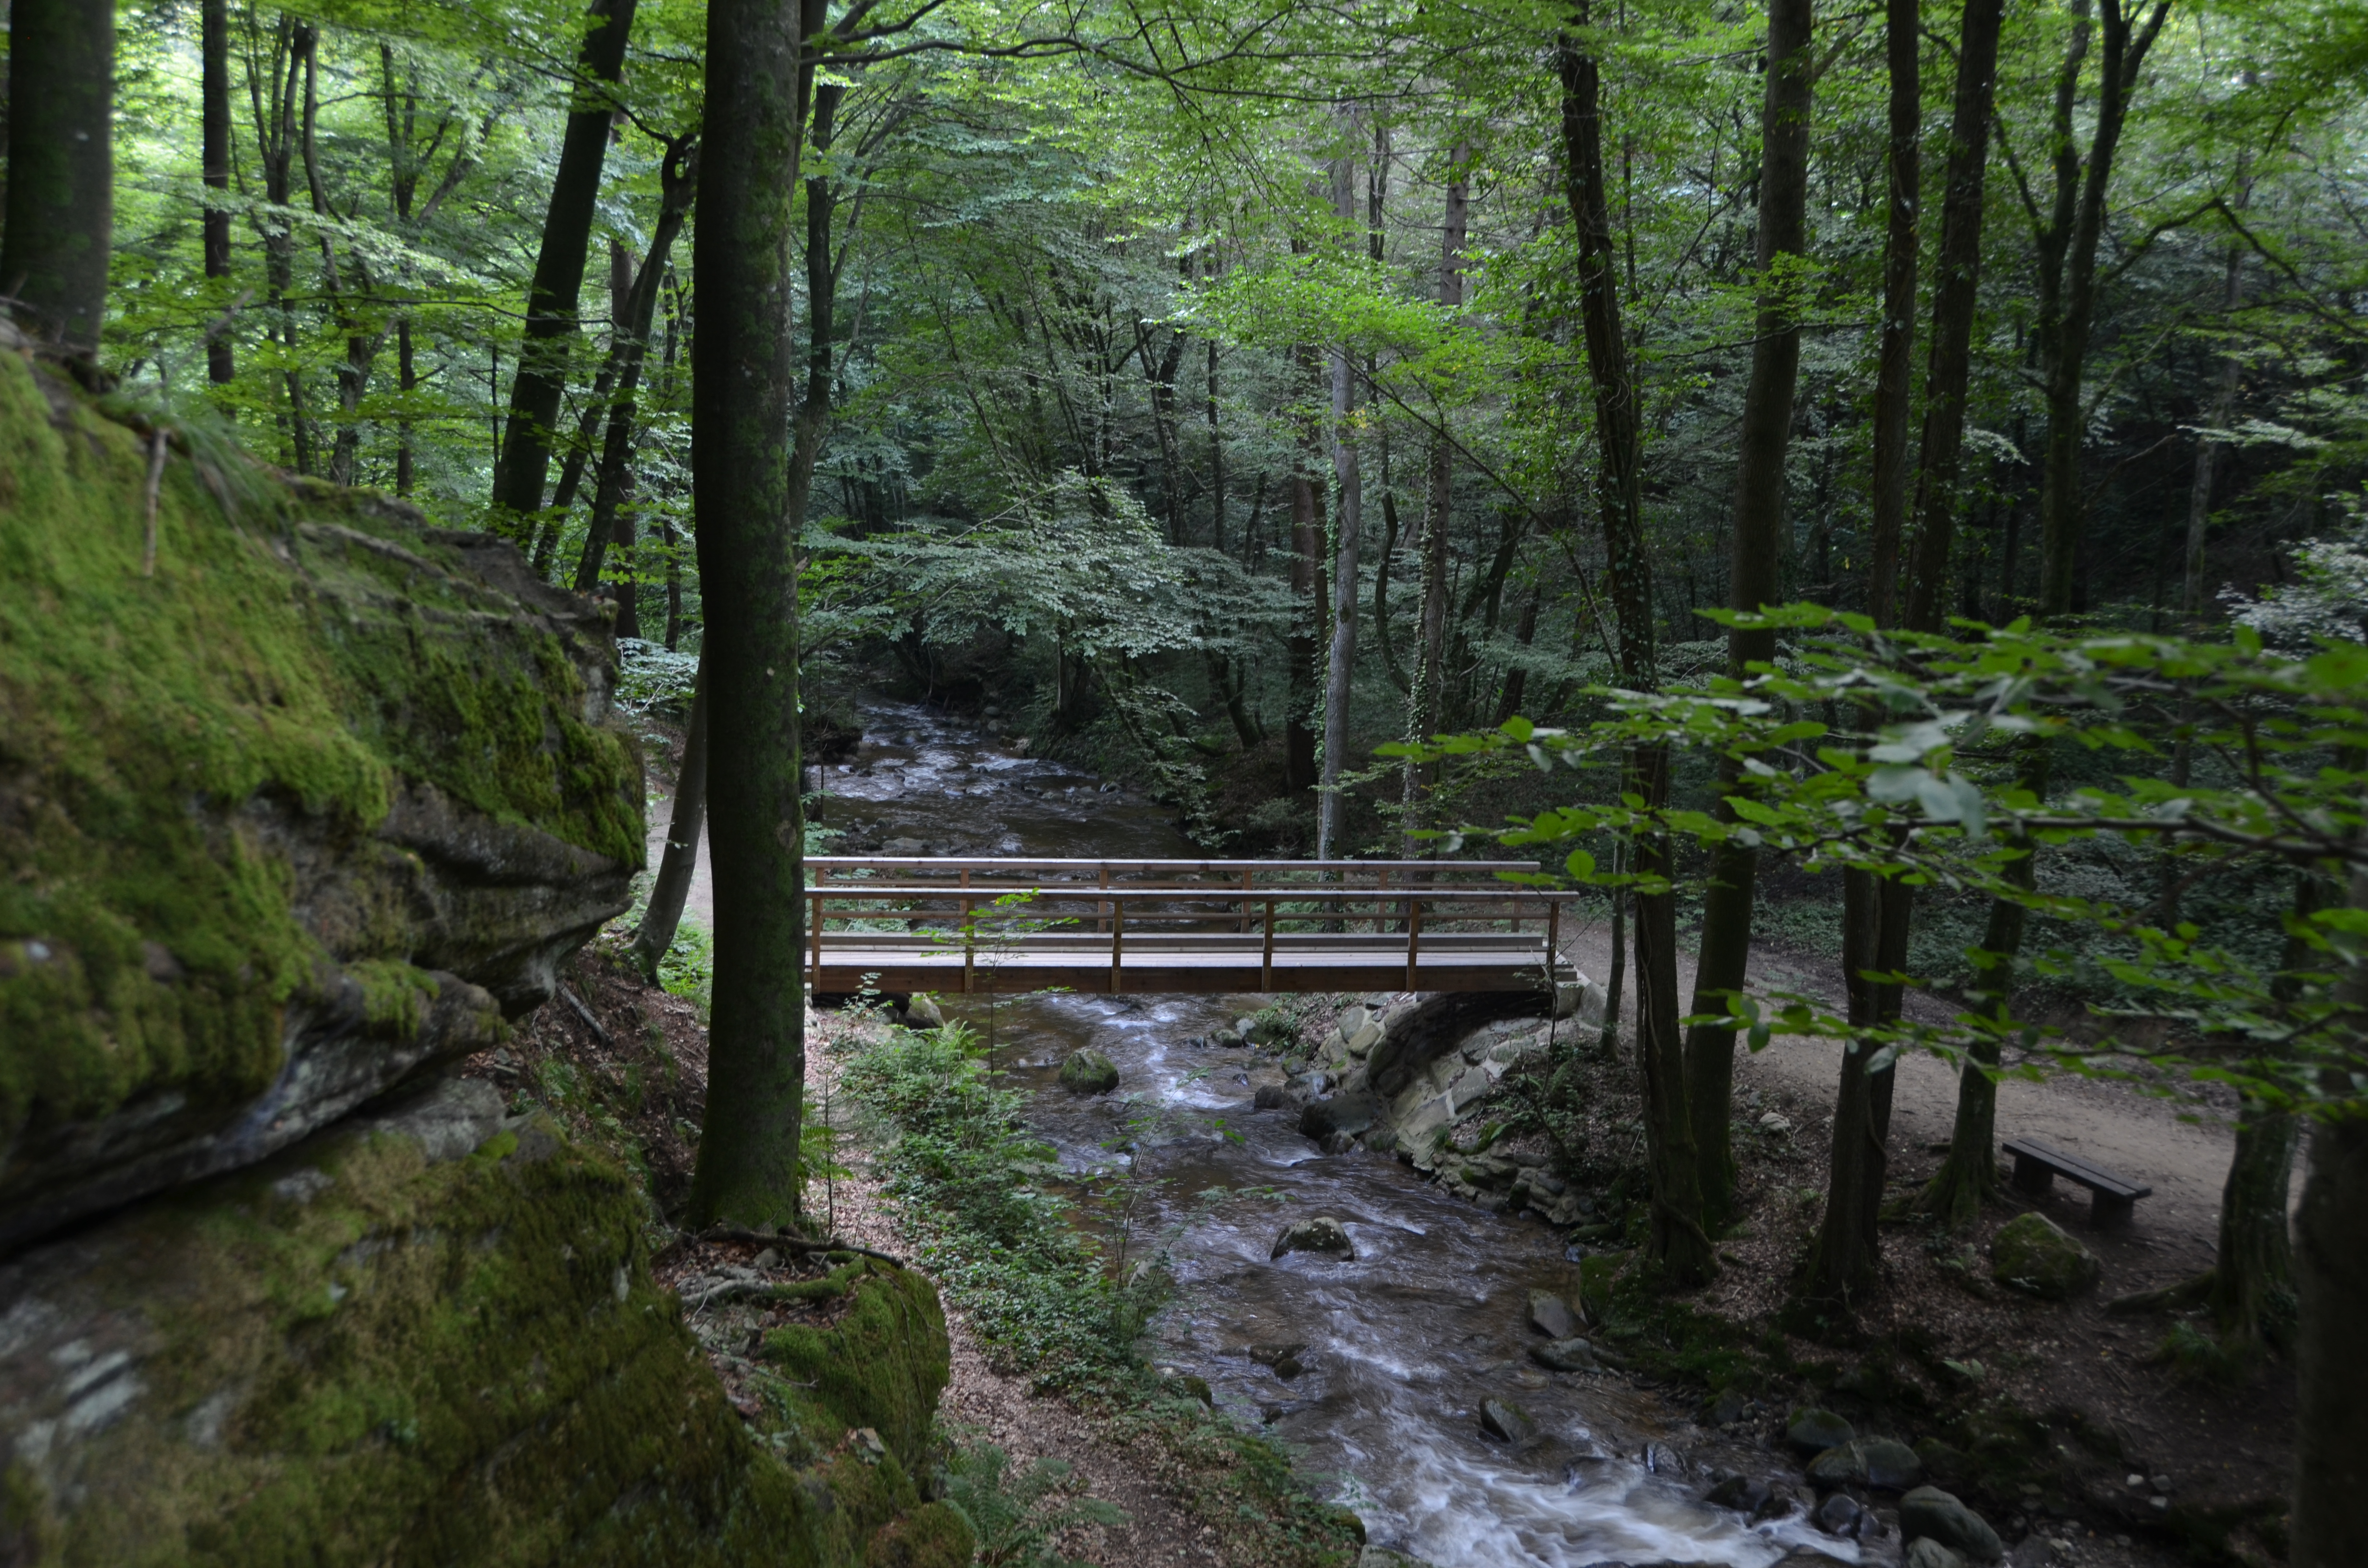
(1307, 554)
(1517, 679)
(2199, 516)
(1955, 295)
(1340, 664)
(628, 350)
(214, 49)
(60, 169)
(1758, 540)
(2065, 328)
(1426, 694)
(542, 376)
(1678, 1240)
(744, 381)
(685, 822)
(2330, 1528)
(1381, 592)
(1903, 165)
(1877, 912)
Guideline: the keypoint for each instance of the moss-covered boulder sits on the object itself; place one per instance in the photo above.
(2034, 1255)
(1088, 1073)
(289, 812)
(431, 1338)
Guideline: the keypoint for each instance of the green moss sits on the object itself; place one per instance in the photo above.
(305, 658)
(884, 1349)
(932, 1535)
(349, 1356)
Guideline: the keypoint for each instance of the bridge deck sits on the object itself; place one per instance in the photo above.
(1002, 925)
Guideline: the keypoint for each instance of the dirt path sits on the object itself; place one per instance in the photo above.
(2180, 1151)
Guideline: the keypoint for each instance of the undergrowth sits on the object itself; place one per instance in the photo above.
(1022, 1261)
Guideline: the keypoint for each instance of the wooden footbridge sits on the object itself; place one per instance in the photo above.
(902, 925)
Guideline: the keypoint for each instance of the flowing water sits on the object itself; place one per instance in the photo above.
(1397, 1347)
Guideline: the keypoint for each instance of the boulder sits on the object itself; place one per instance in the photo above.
(922, 1012)
(1841, 1515)
(1740, 1493)
(402, 1339)
(1319, 1234)
(1551, 1315)
(1273, 1097)
(1566, 1354)
(1930, 1513)
(2033, 1254)
(1926, 1552)
(1088, 1073)
(1351, 1111)
(300, 820)
(1502, 1419)
(1814, 1431)
(1879, 1462)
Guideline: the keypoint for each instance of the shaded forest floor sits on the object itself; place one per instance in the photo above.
(2051, 1408)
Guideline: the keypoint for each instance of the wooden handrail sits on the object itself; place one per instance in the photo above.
(1088, 893)
(992, 862)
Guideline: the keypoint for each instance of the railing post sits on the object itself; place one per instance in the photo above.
(1554, 938)
(814, 942)
(1266, 958)
(1118, 943)
(1414, 937)
(1242, 927)
(970, 948)
(1104, 907)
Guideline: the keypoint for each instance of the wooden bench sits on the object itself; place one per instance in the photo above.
(2036, 1166)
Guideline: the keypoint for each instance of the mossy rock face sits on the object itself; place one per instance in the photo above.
(2032, 1254)
(296, 816)
(1088, 1073)
(359, 1352)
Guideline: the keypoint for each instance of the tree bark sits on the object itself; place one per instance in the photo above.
(1757, 543)
(628, 352)
(1341, 663)
(2067, 281)
(1677, 1240)
(742, 382)
(221, 366)
(686, 820)
(1425, 694)
(2330, 1528)
(1903, 165)
(1307, 553)
(552, 297)
(60, 169)
(1955, 292)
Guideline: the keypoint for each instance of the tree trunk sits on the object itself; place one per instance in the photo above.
(60, 169)
(2330, 1528)
(1903, 166)
(1427, 692)
(1307, 553)
(1678, 1240)
(1757, 541)
(628, 349)
(1382, 591)
(214, 49)
(1340, 663)
(2199, 515)
(1955, 295)
(685, 822)
(542, 375)
(2067, 302)
(743, 384)
(1517, 679)
(1968, 1176)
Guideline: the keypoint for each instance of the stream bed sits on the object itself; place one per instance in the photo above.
(1396, 1348)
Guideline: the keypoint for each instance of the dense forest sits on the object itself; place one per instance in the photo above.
(1339, 419)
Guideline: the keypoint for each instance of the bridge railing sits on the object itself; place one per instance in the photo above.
(986, 912)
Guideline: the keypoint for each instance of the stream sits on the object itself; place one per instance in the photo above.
(1397, 1347)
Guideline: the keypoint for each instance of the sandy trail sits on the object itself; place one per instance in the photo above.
(2181, 1150)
